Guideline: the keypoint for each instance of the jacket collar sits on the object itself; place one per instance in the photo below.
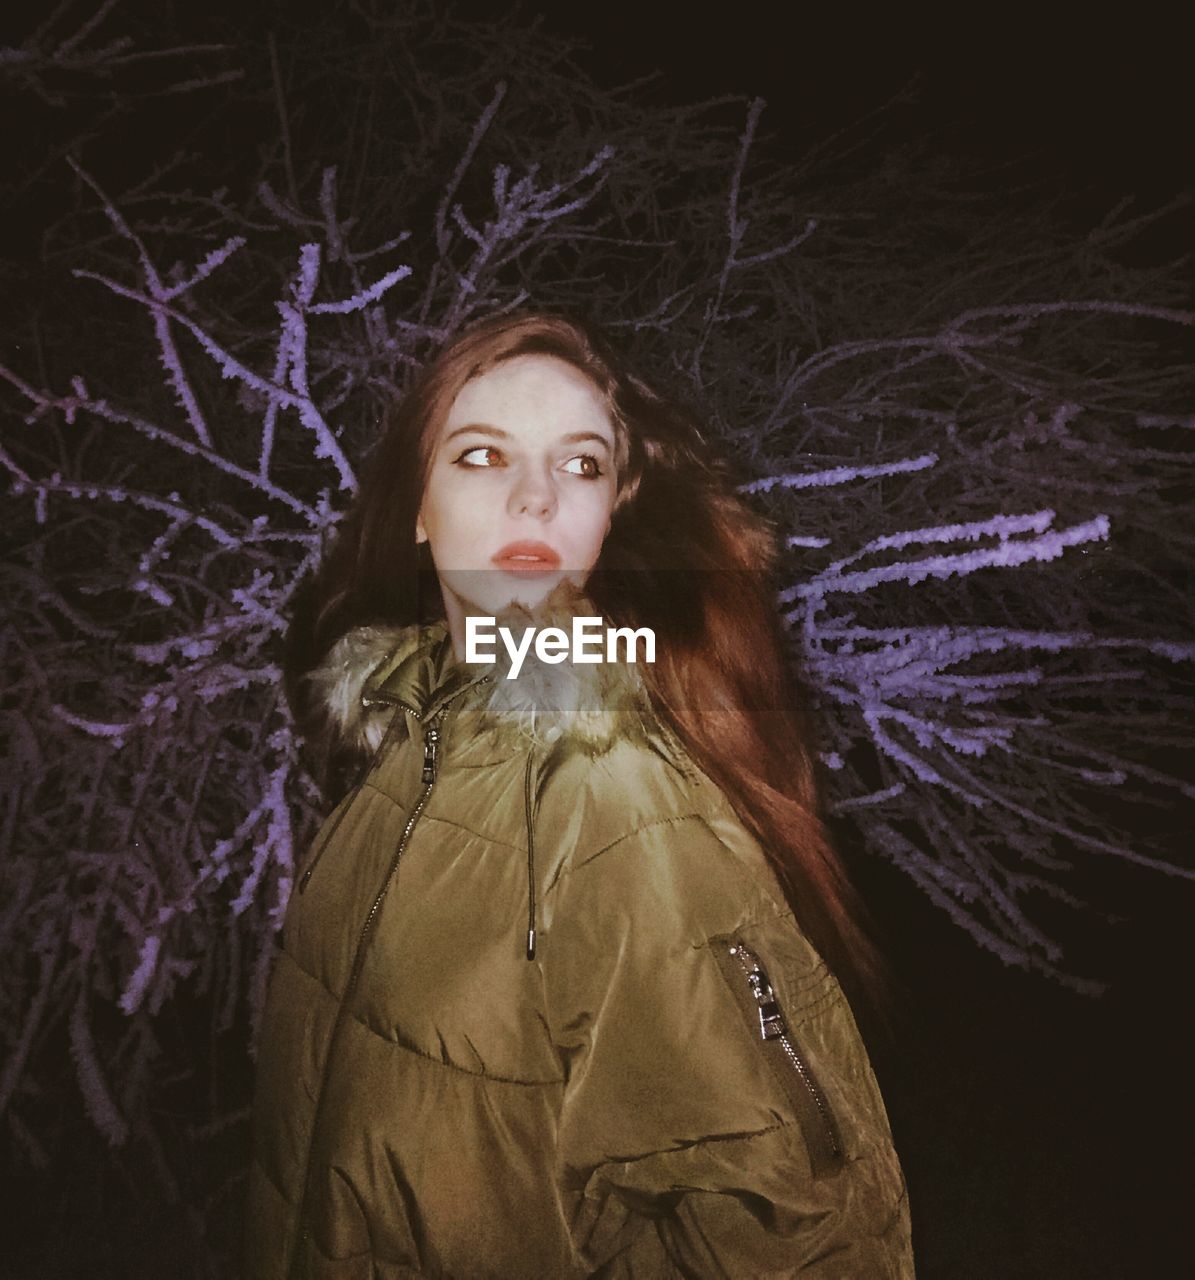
(372, 669)
(422, 674)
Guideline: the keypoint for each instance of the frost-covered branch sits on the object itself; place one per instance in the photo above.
(57, 54)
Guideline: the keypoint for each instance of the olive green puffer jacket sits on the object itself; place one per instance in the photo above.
(540, 1010)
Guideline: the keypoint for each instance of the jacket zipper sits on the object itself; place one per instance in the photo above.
(351, 798)
(429, 762)
(431, 743)
(773, 1030)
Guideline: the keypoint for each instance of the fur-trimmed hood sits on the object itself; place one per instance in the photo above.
(371, 668)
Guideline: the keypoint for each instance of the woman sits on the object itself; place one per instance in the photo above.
(543, 1006)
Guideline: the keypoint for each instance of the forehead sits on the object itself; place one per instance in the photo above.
(531, 393)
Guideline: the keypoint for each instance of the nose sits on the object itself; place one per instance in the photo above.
(532, 494)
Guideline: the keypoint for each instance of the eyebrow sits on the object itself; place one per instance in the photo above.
(572, 437)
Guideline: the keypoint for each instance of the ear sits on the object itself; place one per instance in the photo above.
(420, 531)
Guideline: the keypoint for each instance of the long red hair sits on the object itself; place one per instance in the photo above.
(684, 556)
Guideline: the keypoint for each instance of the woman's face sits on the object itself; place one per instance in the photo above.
(521, 486)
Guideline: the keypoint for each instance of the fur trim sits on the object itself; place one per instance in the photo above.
(592, 704)
(589, 703)
(337, 685)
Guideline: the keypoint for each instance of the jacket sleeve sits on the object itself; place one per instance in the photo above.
(688, 1143)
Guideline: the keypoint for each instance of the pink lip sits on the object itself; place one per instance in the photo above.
(527, 557)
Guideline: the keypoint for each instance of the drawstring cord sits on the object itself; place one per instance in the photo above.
(372, 763)
(530, 860)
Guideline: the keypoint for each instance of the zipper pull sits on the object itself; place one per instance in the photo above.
(771, 1020)
(431, 742)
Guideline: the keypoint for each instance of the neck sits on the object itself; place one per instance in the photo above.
(565, 597)
(455, 613)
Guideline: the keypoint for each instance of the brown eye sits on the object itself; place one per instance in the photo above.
(585, 465)
(481, 455)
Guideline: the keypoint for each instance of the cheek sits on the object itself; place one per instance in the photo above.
(441, 518)
(456, 532)
(592, 522)
(444, 507)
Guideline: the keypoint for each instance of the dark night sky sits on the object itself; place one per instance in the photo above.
(1089, 104)
(1096, 107)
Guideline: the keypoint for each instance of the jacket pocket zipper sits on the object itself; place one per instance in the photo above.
(813, 1111)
